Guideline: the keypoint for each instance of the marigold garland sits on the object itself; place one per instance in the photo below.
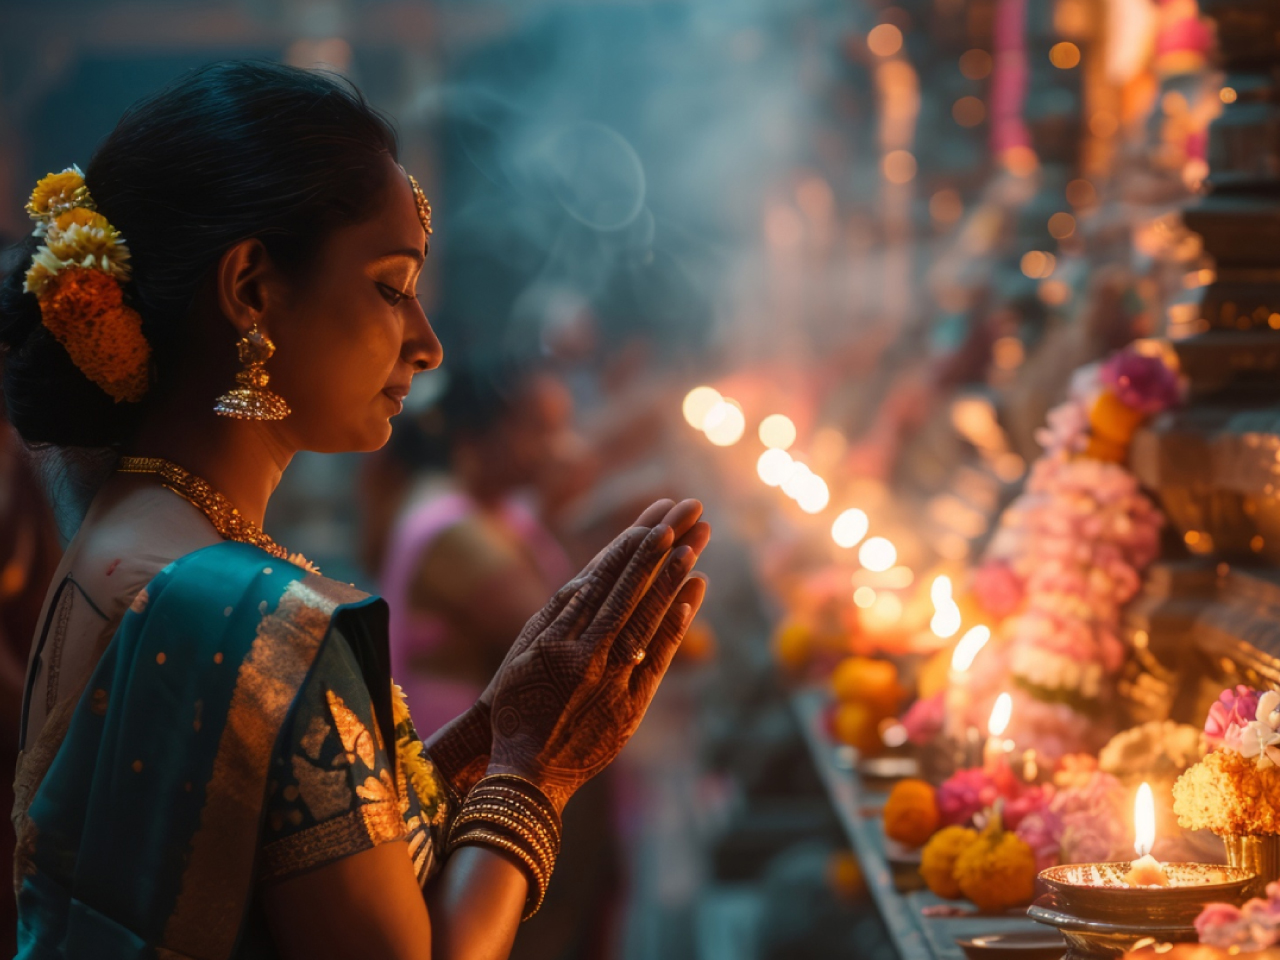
(77, 274)
(84, 309)
(418, 769)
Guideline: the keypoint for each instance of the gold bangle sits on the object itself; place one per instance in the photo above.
(544, 856)
(529, 821)
(491, 788)
(537, 882)
(526, 787)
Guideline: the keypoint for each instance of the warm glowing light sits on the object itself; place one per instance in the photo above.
(877, 554)
(884, 40)
(975, 64)
(793, 483)
(885, 613)
(1020, 160)
(1062, 225)
(899, 578)
(698, 403)
(1227, 95)
(1144, 821)
(1008, 353)
(864, 597)
(895, 735)
(814, 495)
(850, 527)
(1064, 55)
(969, 647)
(968, 111)
(1081, 193)
(946, 622)
(773, 466)
(899, 166)
(724, 424)
(1037, 264)
(1000, 715)
(940, 590)
(777, 431)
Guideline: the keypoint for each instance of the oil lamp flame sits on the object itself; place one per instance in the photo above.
(1000, 715)
(969, 647)
(1144, 821)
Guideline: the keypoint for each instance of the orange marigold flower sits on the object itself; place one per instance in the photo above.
(83, 217)
(85, 310)
(1227, 793)
(56, 193)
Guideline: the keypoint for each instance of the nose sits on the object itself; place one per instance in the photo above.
(421, 348)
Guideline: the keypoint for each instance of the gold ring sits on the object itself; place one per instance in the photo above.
(638, 656)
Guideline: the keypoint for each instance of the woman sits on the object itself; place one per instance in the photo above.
(214, 764)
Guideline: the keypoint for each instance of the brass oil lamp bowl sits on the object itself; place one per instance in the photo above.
(1101, 915)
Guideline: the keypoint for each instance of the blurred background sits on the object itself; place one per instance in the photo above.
(892, 229)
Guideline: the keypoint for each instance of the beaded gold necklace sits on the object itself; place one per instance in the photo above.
(222, 513)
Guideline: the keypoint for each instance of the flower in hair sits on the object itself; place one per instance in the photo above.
(58, 192)
(77, 275)
(85, 311)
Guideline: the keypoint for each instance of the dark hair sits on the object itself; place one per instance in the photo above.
(478, 392)
(231, 151)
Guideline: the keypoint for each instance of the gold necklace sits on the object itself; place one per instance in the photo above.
(230, 523)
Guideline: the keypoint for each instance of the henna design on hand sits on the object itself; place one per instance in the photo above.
(572, 695)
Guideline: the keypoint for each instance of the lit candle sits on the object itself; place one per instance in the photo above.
(994, 752)
(957, 699)
(1146, 871)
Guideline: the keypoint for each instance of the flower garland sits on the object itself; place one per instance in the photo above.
(77, 275)
(1071, 549)
(418, 769)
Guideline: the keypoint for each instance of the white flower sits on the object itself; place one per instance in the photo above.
(1269, 709)
(1259, 739)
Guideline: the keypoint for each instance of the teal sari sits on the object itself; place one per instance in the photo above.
(233, 734)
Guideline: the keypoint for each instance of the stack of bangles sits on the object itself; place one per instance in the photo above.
(511, 814)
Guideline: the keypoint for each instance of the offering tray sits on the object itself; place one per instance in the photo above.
(1097, 891)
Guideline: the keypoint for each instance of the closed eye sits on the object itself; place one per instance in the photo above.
(393, 296)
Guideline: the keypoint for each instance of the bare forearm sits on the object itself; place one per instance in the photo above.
(476, 904)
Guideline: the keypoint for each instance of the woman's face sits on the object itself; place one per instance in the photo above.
(352, 335)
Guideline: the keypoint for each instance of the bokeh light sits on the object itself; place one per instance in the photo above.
(969, 647)
(884, 40)
(1081, 193)
(850, 527)
(946, 207)
(899, 166)
(793, 483)
(947, 620)
(1064, 55)
(1062, 225)
(773, 466)
(698, 403)
(777, 431)
(877, 554)
(864, 597)
(1001, 713)
(940, 590)
(814, 494)
(724, 424)
(968, 111)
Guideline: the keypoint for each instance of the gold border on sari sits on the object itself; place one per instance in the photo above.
(219, 876)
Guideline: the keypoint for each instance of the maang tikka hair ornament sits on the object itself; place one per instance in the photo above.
(251, 400)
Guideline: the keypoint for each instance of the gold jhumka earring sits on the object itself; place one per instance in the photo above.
(251, 400)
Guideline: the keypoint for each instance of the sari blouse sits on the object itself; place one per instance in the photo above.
(239, 729)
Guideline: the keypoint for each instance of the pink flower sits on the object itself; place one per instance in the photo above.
(1031, 800)
(925, 718)
(1230, 714)
(1222, 925)
(998, 588)
(1042, 832)
(1141, 382)
(969, 792)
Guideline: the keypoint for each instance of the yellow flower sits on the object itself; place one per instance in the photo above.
(93, 246)
(83, 216)
(1227, 793)
(44, 267)
(57, 193)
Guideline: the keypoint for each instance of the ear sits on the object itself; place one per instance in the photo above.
(243, 286)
